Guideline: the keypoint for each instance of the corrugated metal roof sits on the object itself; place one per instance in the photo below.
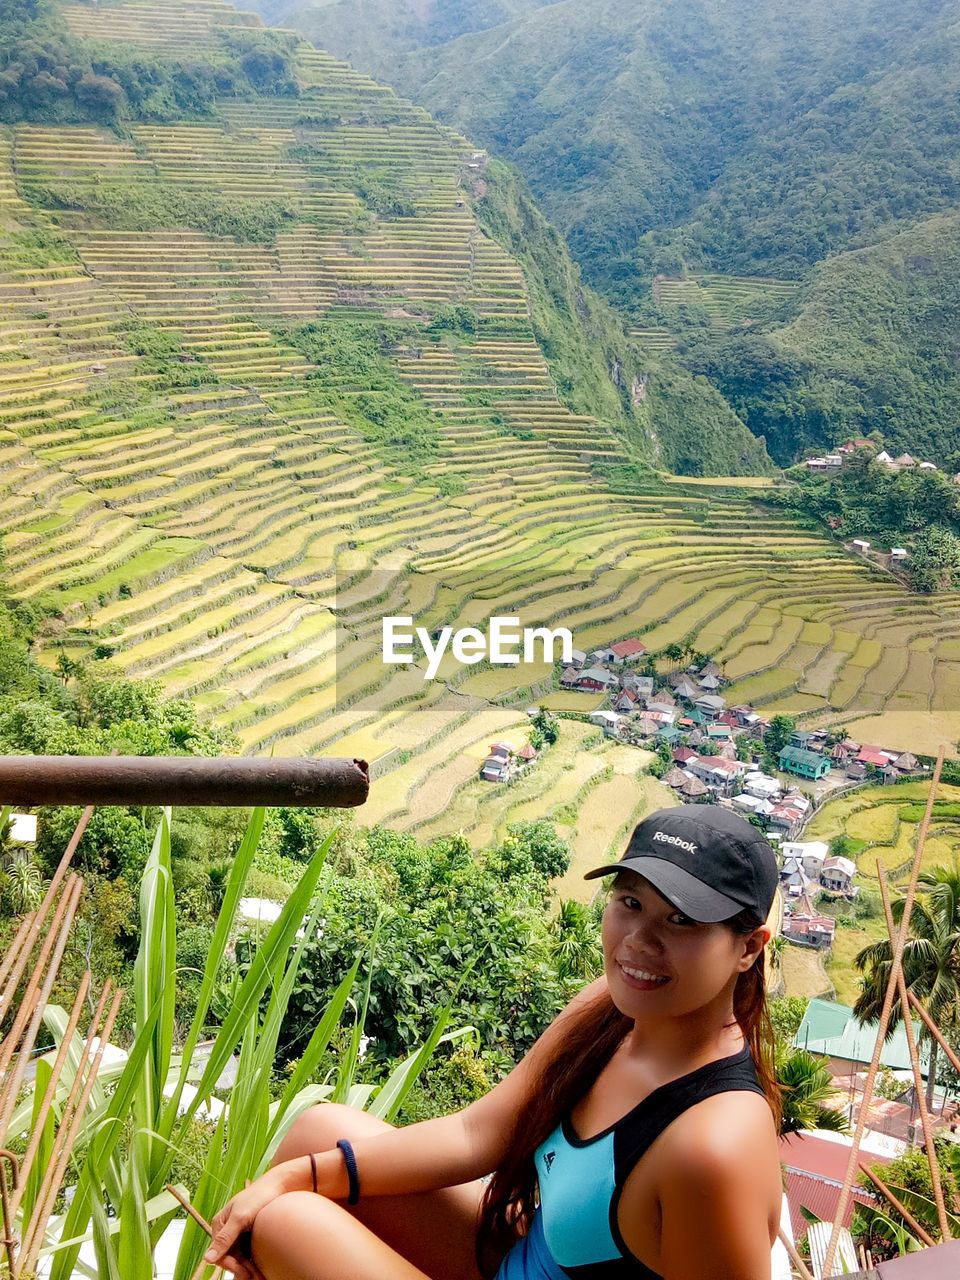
(846, 1255)
(831, 1029)
(819, 1196)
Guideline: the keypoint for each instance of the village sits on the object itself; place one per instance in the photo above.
(711, 753)
(779, 776)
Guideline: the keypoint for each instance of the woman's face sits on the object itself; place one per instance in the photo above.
(659, 962)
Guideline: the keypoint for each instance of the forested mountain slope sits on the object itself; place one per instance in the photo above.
(379, 30)
(688, 147)
(627, 118)
(875, 345)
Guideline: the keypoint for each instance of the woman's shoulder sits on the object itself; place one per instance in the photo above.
(729, 1135)
(709, 1123)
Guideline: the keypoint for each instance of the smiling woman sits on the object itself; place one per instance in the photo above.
(636, 1139)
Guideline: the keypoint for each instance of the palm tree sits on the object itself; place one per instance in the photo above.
(21, 882)
(674, 652)
(576, 941)
(931, 960)
(807, 1084)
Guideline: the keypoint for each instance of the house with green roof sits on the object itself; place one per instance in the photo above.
(832, 1030)
(806, 764)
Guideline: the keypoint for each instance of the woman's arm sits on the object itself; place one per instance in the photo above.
(435, 1153)
(719, 1189)
(448, 1150)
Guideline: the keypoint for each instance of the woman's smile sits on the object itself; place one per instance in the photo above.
(642, 979)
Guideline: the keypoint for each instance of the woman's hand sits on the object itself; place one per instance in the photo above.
(229, 1247)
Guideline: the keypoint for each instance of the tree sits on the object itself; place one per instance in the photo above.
(547, 725)
(931, 960)
(786, 1014)
(577, 949)
(841, 846)
(807, 1084)
(67, 668)
(934, 561)
(101, 95)
(675, 653)
(662, 761)
(778, 735)
(535, 846)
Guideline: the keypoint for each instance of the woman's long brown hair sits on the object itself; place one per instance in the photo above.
(511, 1195)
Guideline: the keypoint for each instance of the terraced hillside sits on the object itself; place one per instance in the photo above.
(197, 489)
(882, 824)
(727, 299)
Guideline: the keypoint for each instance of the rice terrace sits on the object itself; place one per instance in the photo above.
(185, 480)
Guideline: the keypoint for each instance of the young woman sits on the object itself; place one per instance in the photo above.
(636, 1139)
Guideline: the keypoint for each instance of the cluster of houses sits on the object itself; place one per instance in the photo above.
(805, 868)
(830, 463)
(504, 763)
(811, 755)
(687, 704)
(738, 785)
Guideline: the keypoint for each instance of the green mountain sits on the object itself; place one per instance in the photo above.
(383, 28)
(874, 345)
(694, 154)
(728, 120)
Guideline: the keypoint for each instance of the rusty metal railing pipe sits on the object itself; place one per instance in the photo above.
(183, 780)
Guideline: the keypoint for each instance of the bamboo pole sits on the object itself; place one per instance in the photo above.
(9, 1239)
(198, 1218)
(935, 1031)
(11, 1085)
(870, 1081)
(13, 953)
(69, 1109)
(183, 780)
(27, 1003)
(28, 933)
(794, 1256)
(41, 1218)
(40, 1119)
(904, 1212)
(918, 1082)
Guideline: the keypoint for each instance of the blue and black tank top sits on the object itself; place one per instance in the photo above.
(574, 1233)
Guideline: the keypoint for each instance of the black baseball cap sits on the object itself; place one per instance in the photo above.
(707, 860)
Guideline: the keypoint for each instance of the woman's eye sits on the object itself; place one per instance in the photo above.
(633, 903)
(679, 918)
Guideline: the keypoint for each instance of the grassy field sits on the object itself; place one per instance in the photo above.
(883, 822)
(804, 973)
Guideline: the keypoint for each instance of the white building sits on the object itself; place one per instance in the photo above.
(761, 785)
(811, 854)
(610, 721)
(837, 874)
(23, 828)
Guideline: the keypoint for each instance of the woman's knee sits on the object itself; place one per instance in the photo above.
(278, 1229)
(320, 1126)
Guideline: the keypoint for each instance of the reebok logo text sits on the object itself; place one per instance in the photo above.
(663, 838)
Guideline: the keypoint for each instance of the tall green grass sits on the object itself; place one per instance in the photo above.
(163, 1089)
